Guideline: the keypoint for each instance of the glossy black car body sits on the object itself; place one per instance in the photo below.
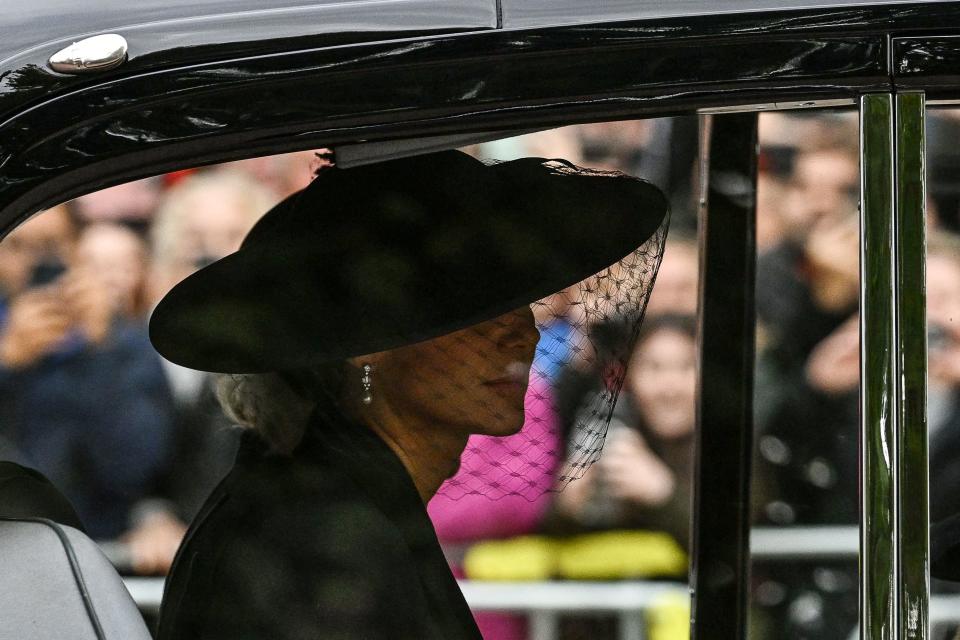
(224, 79)
(214, 80)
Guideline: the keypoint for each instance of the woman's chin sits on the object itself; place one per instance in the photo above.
(502, 425)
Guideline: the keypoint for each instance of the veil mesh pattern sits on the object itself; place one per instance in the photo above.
(575, 328)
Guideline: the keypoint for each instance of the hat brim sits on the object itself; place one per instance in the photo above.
(401, 274)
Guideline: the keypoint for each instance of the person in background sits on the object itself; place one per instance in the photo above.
(575, 366)
(807, 287)
(807, 283)
(119, 256)
(943, 169)
(771, 222)
(943, 385)
(613, 145)
(282, 174)
(676, 290)
(810, 448)
(202, 218)
(463, 511)
(642, 484)
(131, 204)
(83, 399)
(643, 480)
(199, 220)
(943, 407)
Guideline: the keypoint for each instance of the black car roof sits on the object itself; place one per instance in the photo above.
(535, 13)
(207, 81)
(45, 23)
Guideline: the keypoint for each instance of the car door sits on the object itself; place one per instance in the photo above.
(225, 82)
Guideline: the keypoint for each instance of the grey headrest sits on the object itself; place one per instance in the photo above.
(56, 584)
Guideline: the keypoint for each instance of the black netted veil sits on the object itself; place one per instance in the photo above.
(587, 333)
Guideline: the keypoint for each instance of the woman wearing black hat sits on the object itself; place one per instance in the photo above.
(368, 325)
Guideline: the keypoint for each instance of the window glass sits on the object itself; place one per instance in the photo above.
(134, 443)
(591, 546)
(804, 540)
(943, 298)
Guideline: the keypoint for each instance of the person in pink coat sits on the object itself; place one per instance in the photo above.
(469, 507)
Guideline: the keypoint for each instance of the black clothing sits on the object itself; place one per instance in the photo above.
(806, 474)
(96, 420)
(332, 542)
(945, 549)
(945, 495)
(808, 455)
(945, 465)
(25, 493)
(204, 447)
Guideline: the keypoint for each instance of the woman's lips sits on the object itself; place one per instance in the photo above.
(507, 385)
(515, 379)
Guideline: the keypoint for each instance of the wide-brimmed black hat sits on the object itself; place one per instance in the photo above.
(375, 257)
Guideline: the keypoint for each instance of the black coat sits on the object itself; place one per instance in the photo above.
(945, 497)
(331, 543)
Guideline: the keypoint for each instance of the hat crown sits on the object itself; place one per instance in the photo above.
(375, 257)
(413, 193)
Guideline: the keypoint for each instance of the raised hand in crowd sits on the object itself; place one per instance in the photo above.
(37, 323)
(833, 367)
(628, 472)
(632, 472)
(153, 543)
(40, 319)
(833, 259)
(89, 303)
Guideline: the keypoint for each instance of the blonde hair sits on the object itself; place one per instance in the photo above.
(278, 405)
(177, 206)
(266, 404)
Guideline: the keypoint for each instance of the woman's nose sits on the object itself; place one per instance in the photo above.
(517, 330)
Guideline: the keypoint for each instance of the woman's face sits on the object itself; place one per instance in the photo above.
(662, 378)
(474, 379)
(943, 290)
(216, 226)
(117, 255)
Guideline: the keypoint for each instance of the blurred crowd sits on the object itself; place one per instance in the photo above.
(136, 443)
(133, 441)
(808, 355)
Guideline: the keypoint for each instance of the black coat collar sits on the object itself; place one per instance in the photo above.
(353, 451)
(360, 454)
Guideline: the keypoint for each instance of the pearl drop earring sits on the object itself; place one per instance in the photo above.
(366, 381)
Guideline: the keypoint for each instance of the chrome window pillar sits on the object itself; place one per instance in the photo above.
(894, 555)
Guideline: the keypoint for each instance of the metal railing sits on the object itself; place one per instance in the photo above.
(545, 602)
